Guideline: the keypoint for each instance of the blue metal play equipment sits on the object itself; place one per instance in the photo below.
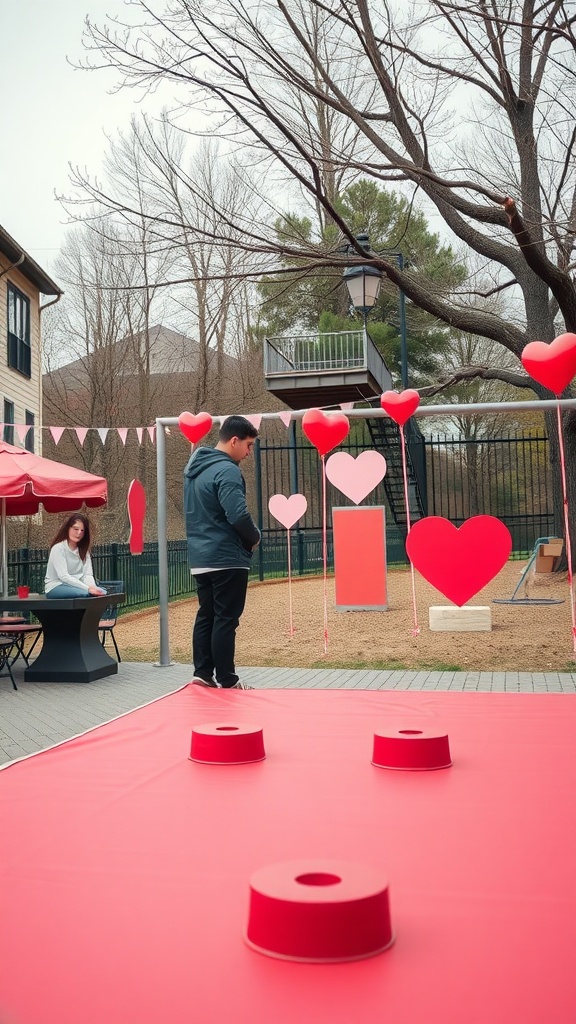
(523, 578)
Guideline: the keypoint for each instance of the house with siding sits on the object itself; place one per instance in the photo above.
(23, 284)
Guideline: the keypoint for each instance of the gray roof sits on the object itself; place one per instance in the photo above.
(168, 352)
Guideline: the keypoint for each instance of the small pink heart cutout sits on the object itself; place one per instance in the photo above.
(356, 477)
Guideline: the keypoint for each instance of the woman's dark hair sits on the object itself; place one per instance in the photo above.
(84, 545)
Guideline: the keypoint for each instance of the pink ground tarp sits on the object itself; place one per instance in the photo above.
(124, 866)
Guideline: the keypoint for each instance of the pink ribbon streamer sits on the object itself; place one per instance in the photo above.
(290, 584)
(325, 553)
(416, 630)
(566, 523)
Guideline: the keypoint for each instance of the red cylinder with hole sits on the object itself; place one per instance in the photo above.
(319, 911)
(227, 743)
(411, 748)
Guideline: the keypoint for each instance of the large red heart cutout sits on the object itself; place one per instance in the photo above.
(400, 407)
(194, 427)
(552, 365)
(459, 562)
(325, 432)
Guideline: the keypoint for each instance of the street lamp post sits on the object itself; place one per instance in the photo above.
(363, 283)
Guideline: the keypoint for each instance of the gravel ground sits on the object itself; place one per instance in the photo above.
(523, 638)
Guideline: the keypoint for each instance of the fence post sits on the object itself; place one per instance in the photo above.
(293, 458)
(260, 515)
(114, 562)
(23, 567)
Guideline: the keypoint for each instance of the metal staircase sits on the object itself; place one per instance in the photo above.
(385, 436)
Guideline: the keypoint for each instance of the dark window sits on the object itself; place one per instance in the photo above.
(19, 331)
(8, 420)
(29, 442)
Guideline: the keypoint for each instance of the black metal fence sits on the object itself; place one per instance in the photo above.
(508, 477)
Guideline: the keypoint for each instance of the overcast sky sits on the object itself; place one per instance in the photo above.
(51, 114)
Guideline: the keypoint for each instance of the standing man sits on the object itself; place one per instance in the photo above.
(221, 537)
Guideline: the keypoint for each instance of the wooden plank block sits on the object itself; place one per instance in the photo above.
(450, 619)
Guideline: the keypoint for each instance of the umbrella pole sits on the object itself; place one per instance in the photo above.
(4, 554)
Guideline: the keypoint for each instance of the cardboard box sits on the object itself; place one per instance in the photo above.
(547, 554)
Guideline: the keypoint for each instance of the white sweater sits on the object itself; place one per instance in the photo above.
(66, 566)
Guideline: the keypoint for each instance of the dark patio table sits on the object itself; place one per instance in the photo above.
(71, 651)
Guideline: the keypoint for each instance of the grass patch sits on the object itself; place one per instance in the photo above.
(390, 665)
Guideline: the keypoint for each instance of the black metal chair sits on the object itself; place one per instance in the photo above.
(18, 633)
(110, 614)
(6, 648)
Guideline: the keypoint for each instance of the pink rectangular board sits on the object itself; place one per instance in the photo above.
(360, 558)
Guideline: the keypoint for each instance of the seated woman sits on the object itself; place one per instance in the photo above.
(69, 570)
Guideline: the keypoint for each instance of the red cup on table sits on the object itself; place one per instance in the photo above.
(23, 591)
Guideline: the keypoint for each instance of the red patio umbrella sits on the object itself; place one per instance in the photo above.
(28, 481)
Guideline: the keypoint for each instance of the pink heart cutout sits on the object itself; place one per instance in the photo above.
(552, 365)
(400, 407)
(194, 427)
(356, 477)
(325, 432)
(287, 510)
(459, 562)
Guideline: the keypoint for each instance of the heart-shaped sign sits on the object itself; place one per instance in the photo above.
(400, 407)
(325, 432)
(194, 427)
(553, 365)
(459, 562)
(287, 510)
(356, 477)
(136, 501)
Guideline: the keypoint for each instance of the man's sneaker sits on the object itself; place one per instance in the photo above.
(205, 682)
(241, 686)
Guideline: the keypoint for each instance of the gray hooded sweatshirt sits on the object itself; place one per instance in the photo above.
(219, 528)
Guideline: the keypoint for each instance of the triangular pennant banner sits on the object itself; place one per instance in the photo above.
(255, 420)
(22, 431)
(123, 432)
(285, 417)
(56, 433)
(139, 431)
(346, 405)
(102, 432)
(151, 433)
(81, 434)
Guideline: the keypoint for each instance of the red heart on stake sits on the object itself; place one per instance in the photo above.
(400, 407)
(552, 365)
(194, 427)
(325, 432)
(459, 562)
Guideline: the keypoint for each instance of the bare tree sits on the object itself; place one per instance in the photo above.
(468, 105)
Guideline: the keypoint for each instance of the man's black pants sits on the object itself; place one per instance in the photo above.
(221, 596)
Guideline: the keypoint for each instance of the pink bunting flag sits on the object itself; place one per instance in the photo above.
(56, 433)
(122, 433)
(22, 431)
(81, 434)
(285, 417)
(152, 433)
(139, 431)
(255, 420)
(346, 406)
